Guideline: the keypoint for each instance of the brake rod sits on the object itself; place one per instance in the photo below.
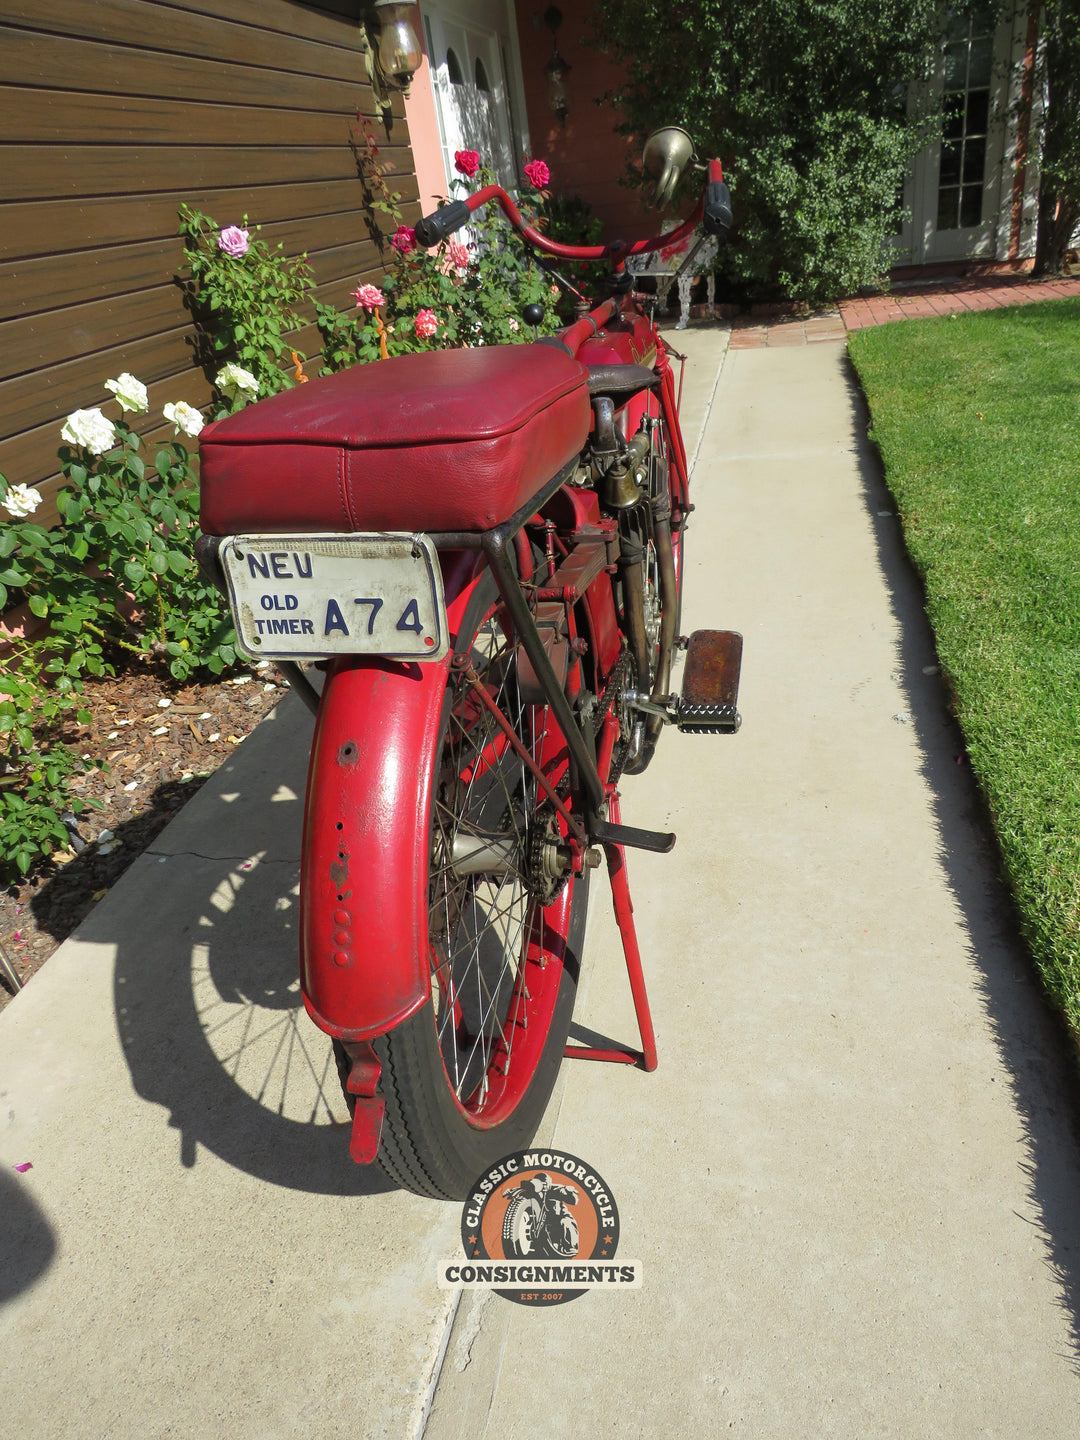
(461, 662)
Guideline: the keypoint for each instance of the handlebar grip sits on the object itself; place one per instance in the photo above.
(717, 217)
(442, 223)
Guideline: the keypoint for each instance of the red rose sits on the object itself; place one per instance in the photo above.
(467, 162)
(538, 174)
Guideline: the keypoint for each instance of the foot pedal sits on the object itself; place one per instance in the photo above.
(710, 688)
(659, 841)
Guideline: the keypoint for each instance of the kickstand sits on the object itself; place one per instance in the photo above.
(624, 916)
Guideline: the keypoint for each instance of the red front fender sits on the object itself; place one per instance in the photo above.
(363, 878)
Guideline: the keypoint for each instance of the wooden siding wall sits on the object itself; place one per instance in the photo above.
(113, 113)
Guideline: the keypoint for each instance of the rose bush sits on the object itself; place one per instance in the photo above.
(119, 572)
(458, 294)
(243, 296)
(117, 576)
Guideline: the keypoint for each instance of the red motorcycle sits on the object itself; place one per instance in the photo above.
(482, 548)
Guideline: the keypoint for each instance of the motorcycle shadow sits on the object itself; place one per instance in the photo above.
(27, 1240)
(206, 990)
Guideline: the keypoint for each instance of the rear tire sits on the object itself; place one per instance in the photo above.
(467, 1078)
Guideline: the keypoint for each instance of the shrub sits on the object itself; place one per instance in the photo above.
(117, 575)
(244, 297)
(806, 105)
(37, 697)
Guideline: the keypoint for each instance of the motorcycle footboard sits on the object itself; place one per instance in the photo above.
(709, 704)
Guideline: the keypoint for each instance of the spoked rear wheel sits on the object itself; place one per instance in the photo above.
(467, 1078)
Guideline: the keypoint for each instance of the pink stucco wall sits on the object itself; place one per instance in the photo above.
(424, 129)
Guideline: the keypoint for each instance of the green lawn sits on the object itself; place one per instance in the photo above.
(977, 418)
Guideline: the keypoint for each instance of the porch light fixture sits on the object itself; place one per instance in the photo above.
(397, 51)
(556, 68)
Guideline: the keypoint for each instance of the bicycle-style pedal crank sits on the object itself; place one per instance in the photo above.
(709, 703)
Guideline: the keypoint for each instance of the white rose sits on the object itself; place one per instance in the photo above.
(184, 417)
(231, 378)
(21, 501)
(130, 392)
(90, 429)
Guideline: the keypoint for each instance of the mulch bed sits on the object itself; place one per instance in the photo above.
(157, 741)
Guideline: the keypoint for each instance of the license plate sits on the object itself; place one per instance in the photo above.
(304, 597)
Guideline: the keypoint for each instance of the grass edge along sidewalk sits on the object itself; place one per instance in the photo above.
(977, 421)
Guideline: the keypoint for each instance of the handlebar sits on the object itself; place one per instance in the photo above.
(713, 211)
(442, 224)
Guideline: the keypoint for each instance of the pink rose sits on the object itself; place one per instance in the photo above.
(426, 324)
(404, 239)
(370, 297)
(233, 241)
(467, 162)
(458, 253)
(537, 173)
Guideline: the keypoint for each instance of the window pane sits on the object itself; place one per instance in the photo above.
(954, 117)
(956, 66)
(956, 25)
(950, 164)
(978, 112)
(981, 55)
(481, 75)
(974, 162)
(971, 205)
(947, 207)
(453, 69)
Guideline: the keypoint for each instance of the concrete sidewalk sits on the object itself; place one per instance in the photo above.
(852, 1182)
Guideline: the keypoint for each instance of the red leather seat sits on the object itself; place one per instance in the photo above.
(443, 440)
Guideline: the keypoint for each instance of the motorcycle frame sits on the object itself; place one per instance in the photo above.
(350, 768)
(342, 1002)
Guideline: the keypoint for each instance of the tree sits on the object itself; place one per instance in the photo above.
(1059, 179)
(806, 103)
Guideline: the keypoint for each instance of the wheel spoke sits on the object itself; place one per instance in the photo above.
(483, 922)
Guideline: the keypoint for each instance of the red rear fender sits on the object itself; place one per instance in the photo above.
(363, 880)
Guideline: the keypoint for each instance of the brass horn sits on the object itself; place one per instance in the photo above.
(666, 154)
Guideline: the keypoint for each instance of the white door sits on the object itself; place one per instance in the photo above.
(960, 185)
(471, 94)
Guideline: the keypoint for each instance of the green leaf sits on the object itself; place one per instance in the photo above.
(39, 606)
